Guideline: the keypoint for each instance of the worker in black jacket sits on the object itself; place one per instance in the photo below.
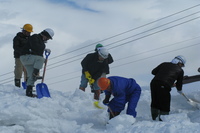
(166, 74)
(94, 66)
(109, 60)
(32, 57)
(18, 43)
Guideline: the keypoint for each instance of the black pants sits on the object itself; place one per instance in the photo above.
(160, 95)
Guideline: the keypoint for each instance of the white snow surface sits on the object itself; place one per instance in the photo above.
(73, 112)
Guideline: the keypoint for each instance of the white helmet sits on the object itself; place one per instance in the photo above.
(103, 52)
(50, 33)
(179, 59)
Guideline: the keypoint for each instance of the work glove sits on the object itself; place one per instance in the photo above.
(180, 92)
(47, 50)
(106, 100)
(91, 81)
(89, 77)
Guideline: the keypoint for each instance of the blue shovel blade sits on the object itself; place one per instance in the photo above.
(24, 85)
(42, 90)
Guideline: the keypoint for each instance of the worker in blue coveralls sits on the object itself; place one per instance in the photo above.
(124, 90)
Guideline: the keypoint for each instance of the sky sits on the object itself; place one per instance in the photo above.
(138, 34)
(73, 112)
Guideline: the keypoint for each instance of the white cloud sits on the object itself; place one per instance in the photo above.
(77, 26)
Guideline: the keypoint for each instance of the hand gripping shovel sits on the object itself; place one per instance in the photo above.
(41, 88)
(192, 102)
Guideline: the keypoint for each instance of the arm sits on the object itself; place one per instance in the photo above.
(84, 63)
(155, 70)
(37, 45)
(179, 83)
(117, 104)
(110, 59)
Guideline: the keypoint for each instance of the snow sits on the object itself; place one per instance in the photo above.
(73, 112)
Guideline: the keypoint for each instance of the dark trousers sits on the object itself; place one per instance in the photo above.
(160, 96)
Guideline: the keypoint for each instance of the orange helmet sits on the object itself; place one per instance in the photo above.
(28, 28)
(103, 83)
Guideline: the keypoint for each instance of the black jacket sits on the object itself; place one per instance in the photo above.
(18, 43)
(35, 45)
(92, 64)
(168, 73)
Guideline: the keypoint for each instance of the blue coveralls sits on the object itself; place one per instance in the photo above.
(124, 90)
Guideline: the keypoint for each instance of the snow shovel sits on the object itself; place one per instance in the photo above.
(24, 83)
(41, 88)
(191, 102)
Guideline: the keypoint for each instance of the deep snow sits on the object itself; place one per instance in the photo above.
(73, 112)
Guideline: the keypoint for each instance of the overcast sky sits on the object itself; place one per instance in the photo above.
(139, 35)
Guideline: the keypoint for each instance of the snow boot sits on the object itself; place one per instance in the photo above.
(154, 113)
(29, 91)
(17, 82)
(162, 113)
(36, 75)
(113, 114)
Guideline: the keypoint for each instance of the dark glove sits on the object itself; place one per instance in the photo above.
(106, 100)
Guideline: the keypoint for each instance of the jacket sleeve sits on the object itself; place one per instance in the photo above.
(106, 69)
(155, 70)
(110, 59)
(84, 63)
(18, 44)
(179, 82)
(37, 45)
(117, 104)
(107, 92)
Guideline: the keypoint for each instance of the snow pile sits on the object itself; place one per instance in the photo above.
(73, 112)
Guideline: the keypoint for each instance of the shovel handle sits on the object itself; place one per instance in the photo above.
(113, 115)
(186, 97)
(45, 64)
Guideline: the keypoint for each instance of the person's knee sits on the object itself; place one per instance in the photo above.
(84, 82)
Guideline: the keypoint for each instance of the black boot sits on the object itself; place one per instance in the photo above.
(162, 113)
(113, 114)
(29, 91)
(17, 82)
(154, 113)
(36, 74)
